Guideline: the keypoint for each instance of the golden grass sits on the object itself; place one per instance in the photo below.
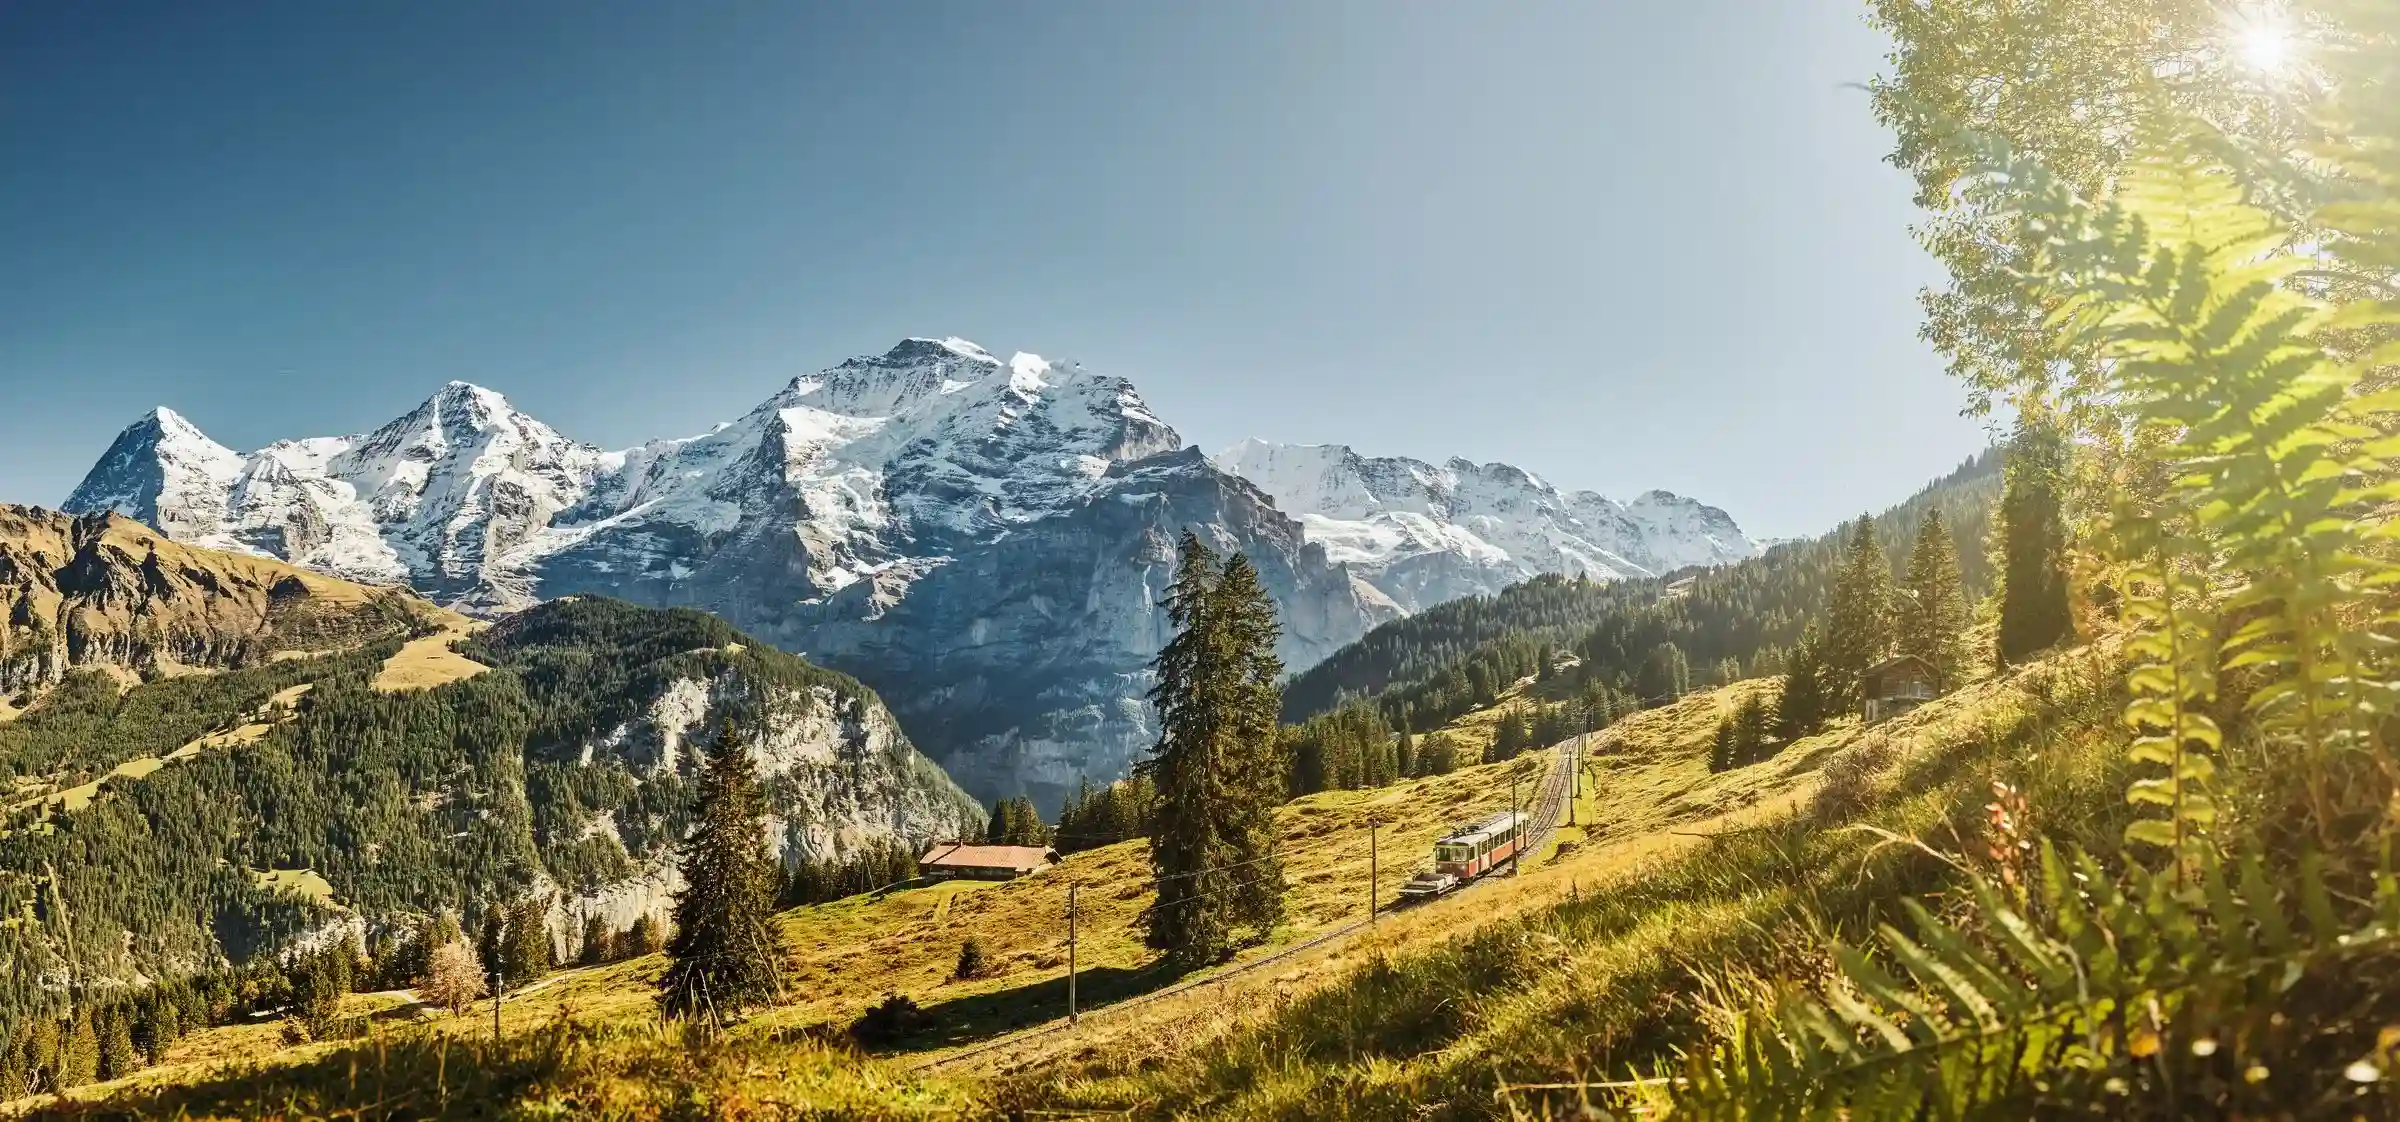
(422, 664)
(1647, 799)
(299, 882)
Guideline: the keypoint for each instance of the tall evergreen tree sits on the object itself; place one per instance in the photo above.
(2033, 539)
(1801, 708)
(727, 952)
(1254, 697)
(1858, 632)
(1933, 610)
(1217, 764)
(526, 951)
(491, 947)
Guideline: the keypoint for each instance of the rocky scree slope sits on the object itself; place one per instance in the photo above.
(1425, 535)
(984, 541)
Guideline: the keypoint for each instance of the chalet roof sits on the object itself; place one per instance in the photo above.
(1896, 662)
(950, 855)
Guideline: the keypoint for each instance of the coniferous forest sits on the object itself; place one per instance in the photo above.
(464, 798)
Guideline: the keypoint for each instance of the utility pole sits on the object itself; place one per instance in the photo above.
(1374, 877)
(1072, 1016)
(1515, 807)
(1574, 780)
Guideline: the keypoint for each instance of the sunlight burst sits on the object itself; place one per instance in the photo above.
(2263, 38)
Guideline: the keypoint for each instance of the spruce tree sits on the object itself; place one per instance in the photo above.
(526, 951)
(597, 944)
(1254, 699)
(727, 952)
(1721, 752)
(1858, 631)
(1933, 612)
(1218, 764)
(2034, 615)
(1801, 708)
(1751, 720)
(1188, 847)
(491, 947)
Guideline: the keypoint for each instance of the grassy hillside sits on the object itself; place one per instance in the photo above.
(1678, 894)
(851, 953)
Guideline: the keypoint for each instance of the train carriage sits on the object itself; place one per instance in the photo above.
(1467, 854)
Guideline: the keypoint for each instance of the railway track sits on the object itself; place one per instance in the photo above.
(1548, 806)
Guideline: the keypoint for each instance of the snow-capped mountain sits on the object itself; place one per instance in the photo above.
(1424, 534)
(985, 542)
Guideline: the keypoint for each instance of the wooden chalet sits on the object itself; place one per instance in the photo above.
(1897, 685)
(957, 860)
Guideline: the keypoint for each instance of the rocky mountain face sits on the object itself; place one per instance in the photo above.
(568, 769)
(983, 541)
(80, 591)
(839, 773)
(1423, 535)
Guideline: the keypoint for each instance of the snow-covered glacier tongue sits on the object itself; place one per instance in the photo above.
(983, 541)
(1423, 534)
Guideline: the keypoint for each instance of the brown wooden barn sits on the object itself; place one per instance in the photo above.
(955, 860)
(1897, 685)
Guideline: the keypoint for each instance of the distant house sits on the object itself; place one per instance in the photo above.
(954, 860)
(1897, 685)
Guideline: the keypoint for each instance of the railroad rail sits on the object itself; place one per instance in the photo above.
(1549, 804)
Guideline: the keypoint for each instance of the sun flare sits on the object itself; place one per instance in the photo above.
(2263, 38)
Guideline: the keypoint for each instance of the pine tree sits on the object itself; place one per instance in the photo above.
(78, 1053)
(118, 1057)
(1801, 708)
(527, 950)
(727, 952)
(1858, 630)
(1404, 754)
(1933, 610)
(1721, 753)
(1218, 763)
(1751, 721)
(644, 937)
(491, 948)
(2034, 615)
(596, 946)
(1254, 699)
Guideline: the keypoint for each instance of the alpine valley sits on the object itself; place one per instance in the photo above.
(985, 542)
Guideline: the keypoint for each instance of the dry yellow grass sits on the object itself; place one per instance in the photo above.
(299, 882)
(422, 664)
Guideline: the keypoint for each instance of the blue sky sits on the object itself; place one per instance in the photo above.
(1622, 245)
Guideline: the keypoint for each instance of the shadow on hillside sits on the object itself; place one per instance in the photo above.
(964, 1020)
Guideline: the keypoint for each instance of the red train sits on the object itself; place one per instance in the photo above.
(1467, 854)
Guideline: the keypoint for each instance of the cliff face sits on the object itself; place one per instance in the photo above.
(77, 591)
(629, 737)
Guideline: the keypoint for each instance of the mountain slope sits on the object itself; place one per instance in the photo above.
(1433, 661)
(1424, 535)
(568, 767)
(100, 589)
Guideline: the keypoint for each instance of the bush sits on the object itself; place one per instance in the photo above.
(971, 961)
(892, 1020)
